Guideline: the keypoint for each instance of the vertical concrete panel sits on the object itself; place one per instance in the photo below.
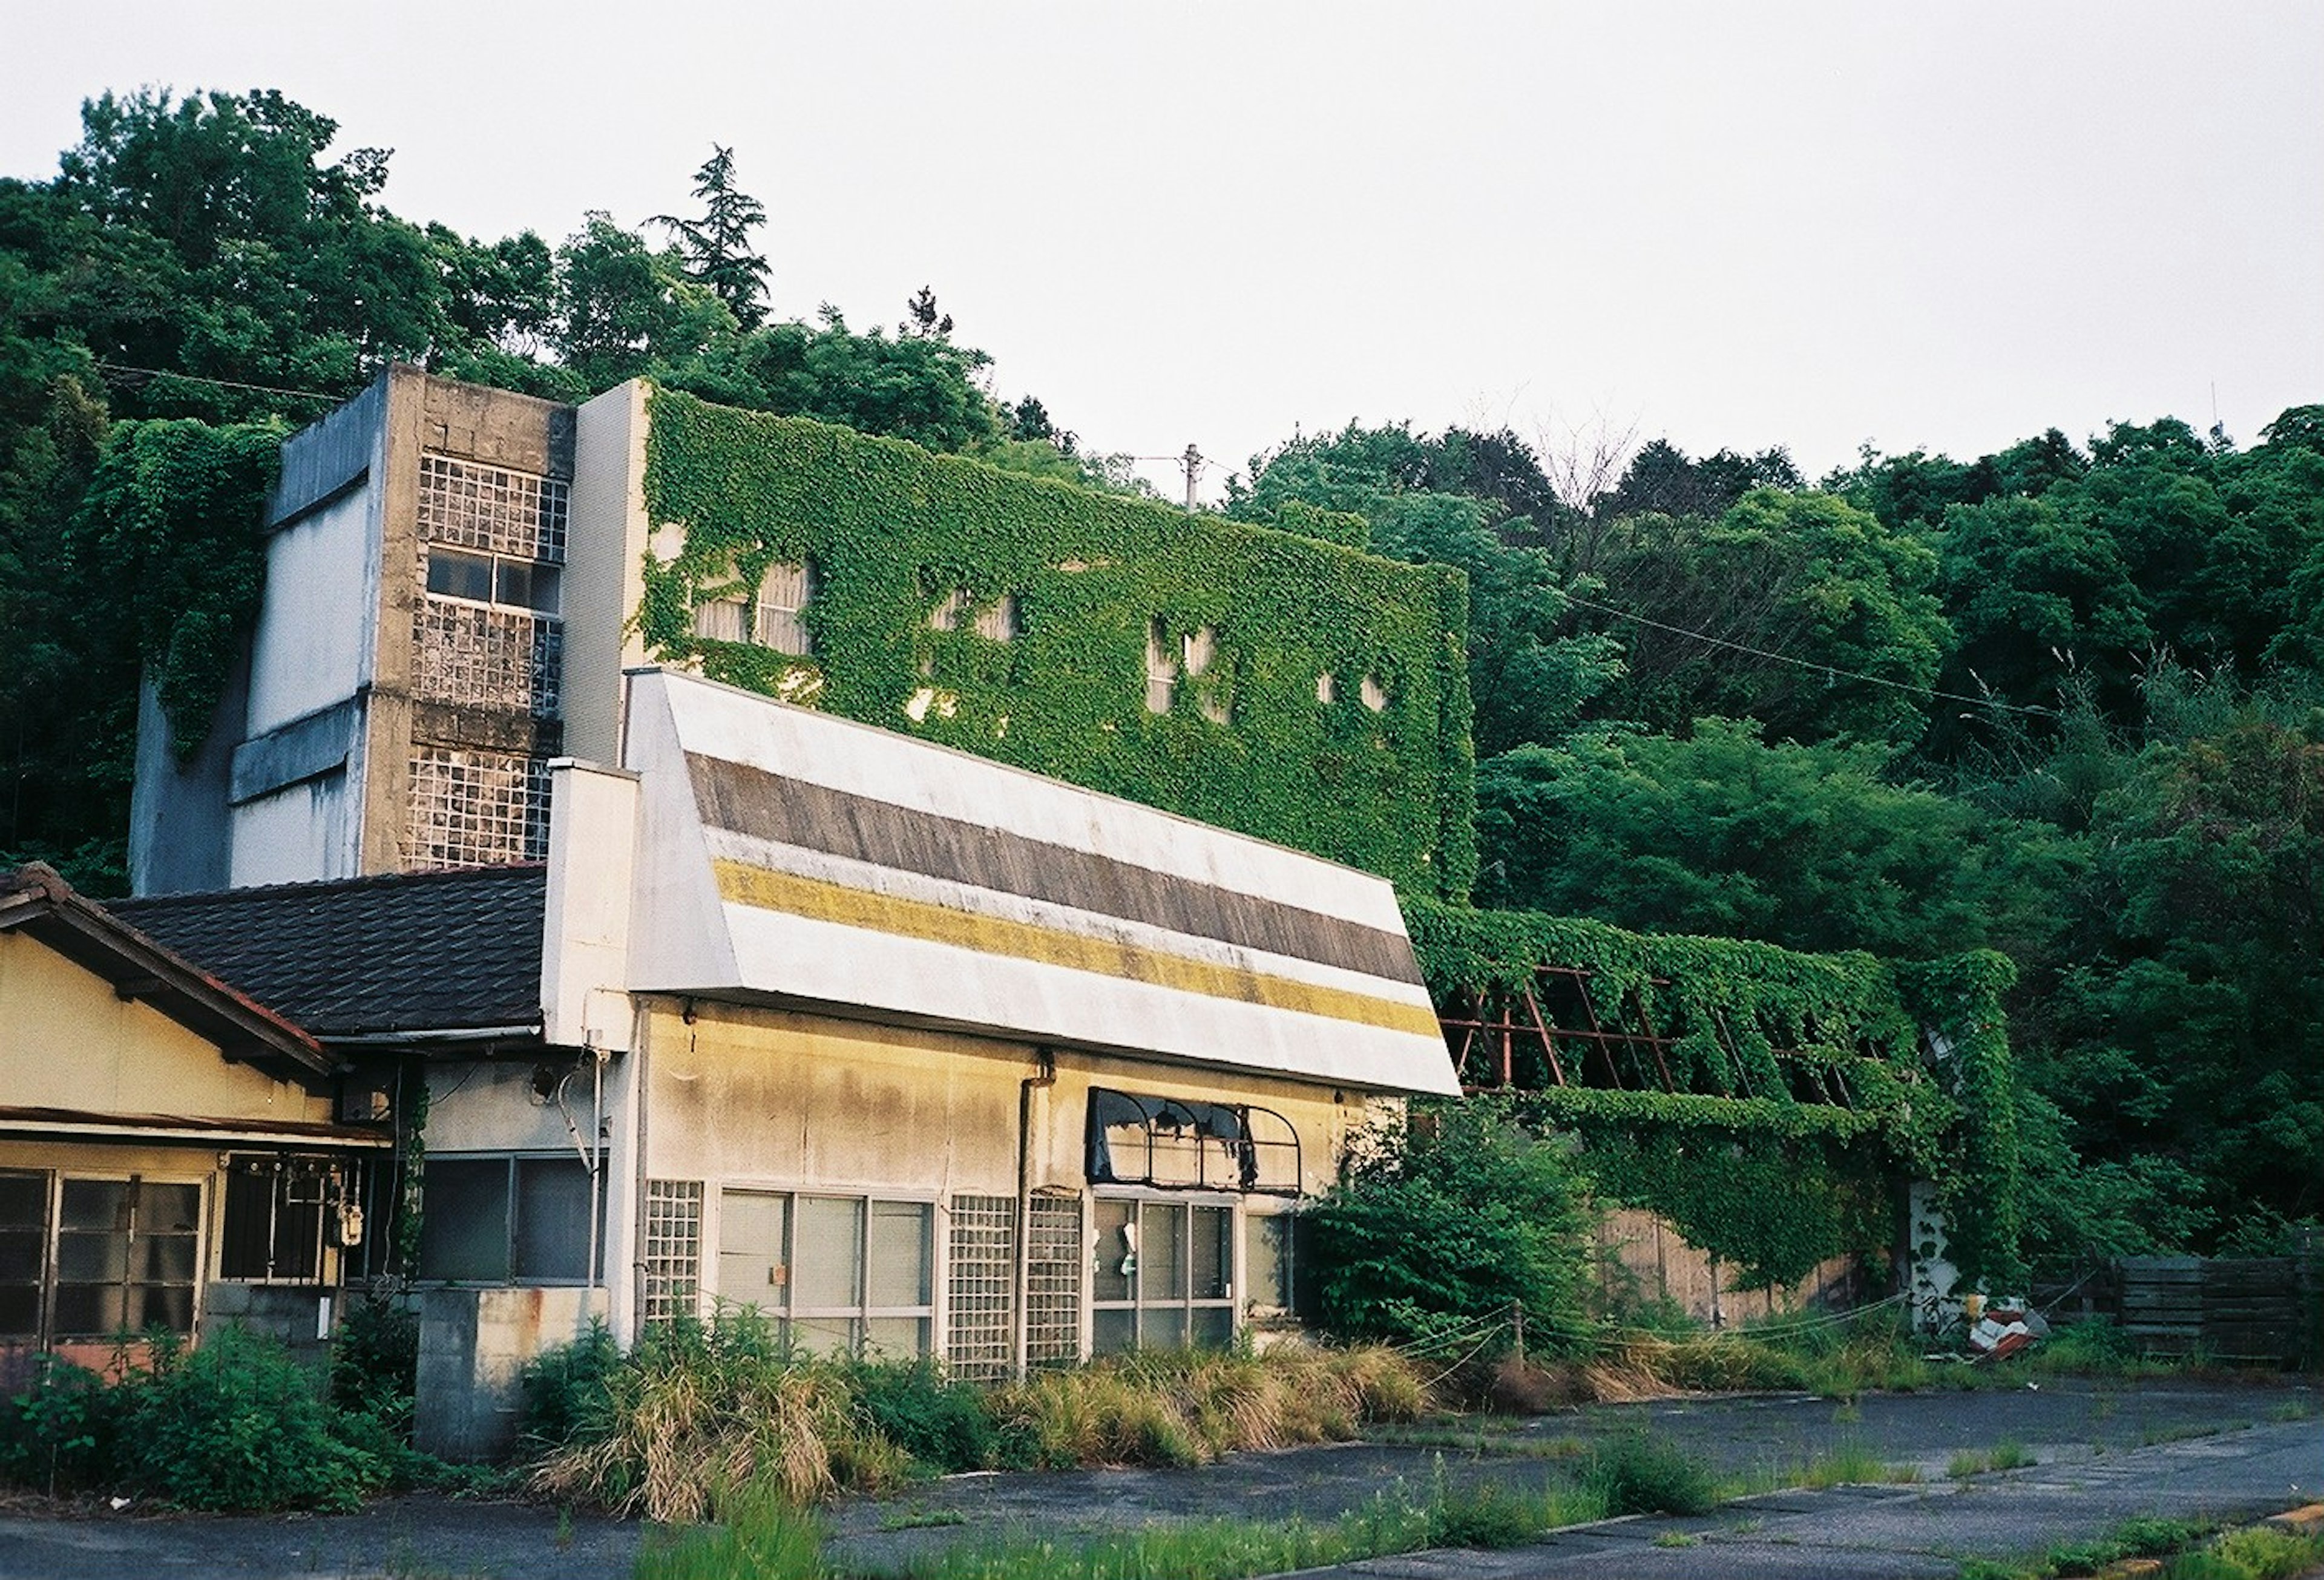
(180, 831)
(384, 790)
(604, 578)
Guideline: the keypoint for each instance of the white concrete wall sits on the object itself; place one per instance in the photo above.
(722, 914)
(310, 830)
(604, 575)
(585, 967)
(316, 632)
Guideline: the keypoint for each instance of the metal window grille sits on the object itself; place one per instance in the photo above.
(475, 808)
(978, 1284)
(482, 658)
(1053, 1254)
(673, 1248)
(491, 508)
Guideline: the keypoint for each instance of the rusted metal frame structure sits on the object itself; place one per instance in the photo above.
(1509, 1024)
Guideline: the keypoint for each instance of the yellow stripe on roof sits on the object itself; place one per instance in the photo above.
(740, 883)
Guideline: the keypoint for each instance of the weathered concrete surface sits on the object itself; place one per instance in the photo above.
(1914, 1531)
(2255, 1466)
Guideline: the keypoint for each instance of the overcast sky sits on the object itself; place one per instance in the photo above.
(1944, 226)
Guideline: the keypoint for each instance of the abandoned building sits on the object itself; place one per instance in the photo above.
(917, 1053)
(169, 1156)
(460, 576)
(693, 859)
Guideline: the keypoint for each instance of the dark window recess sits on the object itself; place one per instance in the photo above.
(1175, 1143)
(275, 1210)
(23, 1253)
(505, 1220)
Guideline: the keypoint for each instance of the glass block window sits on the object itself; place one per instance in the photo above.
(492, 509)
(980, 1288)
(673, 1248)
(472, 807)
(1054, 1257)
(484, 656)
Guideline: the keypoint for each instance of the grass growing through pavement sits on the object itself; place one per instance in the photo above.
(2259, 1552)
(2003, 1456)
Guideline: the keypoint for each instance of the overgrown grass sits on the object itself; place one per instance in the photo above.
(2259, 1552)
(1639, 1475)
(1851, 1463)
(1188, 1407)
(696, 1413)
(2005, 1455)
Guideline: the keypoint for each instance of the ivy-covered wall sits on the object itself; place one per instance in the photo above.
(894, 535)
(1768, 1181)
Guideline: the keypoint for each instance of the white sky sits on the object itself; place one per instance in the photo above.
(1947, 226)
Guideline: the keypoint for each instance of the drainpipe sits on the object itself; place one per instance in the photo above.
(1045, 1076)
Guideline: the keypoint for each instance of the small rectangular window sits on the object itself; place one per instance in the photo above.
(23, 1253)
(521, 1220)
(452, 573)
(784, 592)
(720, 619)
(1164, 1275)
(526, 584)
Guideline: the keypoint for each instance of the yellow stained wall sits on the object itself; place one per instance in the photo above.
(67, 1042)
(796, 1099)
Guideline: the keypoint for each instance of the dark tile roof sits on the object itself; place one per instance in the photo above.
(406, 951)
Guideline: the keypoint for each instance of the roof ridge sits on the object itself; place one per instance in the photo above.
(500, 870)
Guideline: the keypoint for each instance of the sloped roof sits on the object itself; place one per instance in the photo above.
(36, 900)
(793, 857)
(401, 952)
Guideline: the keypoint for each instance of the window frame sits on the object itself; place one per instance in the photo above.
(495, 561)
(1185, 1204)
(53, 1274)
(511, 1216)
(790, 1315)
(337, 1186)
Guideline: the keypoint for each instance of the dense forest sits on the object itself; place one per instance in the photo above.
(2065, 700)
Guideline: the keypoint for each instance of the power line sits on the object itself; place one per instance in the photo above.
(1829, 670)
(110, 367)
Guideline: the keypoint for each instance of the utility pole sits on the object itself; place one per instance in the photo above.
(1193, 461)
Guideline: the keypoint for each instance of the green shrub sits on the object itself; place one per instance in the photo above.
(1644, 1475)
(375, 1359)
(944, 1425)
(58, 1432)
(1454, 1217)
(565, 1388)
(237, 1424)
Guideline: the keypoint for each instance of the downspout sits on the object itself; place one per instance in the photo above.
(1045, 1076)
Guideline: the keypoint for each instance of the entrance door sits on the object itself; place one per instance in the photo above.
(753, 1251)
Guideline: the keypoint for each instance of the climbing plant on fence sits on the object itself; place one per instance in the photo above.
(904, 551)
(1788, 1092)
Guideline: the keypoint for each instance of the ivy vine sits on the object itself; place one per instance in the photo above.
(1923, 1049)
(895, 538)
